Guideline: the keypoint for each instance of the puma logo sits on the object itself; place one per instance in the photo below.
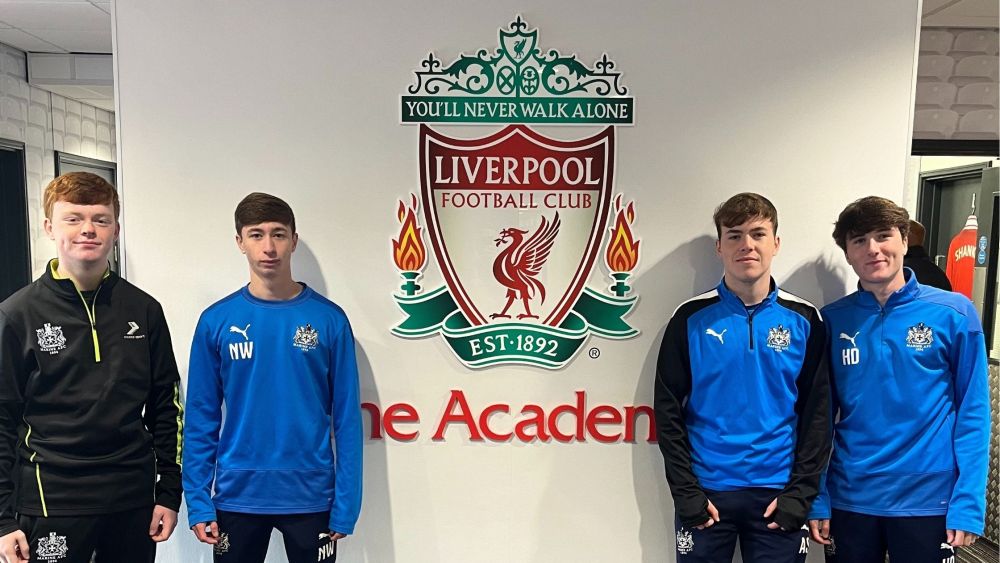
(851, 338)
(718, 335)
(243, 331)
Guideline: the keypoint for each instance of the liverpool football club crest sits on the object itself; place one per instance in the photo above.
(516, 221)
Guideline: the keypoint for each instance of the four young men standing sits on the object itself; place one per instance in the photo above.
(750, 380)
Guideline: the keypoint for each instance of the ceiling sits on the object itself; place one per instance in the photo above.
(961, 13)
(67, 26)
(84, 26)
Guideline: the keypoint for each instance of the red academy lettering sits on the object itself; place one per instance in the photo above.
(571, 422)
(398, 413)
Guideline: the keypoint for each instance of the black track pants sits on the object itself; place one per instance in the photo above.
(243, 538)
(119, 537)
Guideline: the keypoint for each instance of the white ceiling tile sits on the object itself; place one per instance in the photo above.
(25, 42)
(947, 20)
(930, 6)
(961, 13)
(74, 16)
(77, 41)
(974, 8)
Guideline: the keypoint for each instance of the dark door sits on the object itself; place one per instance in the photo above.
(957, 207)
(15, 252)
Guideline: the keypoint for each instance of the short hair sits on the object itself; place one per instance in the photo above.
(872, 213)
(917, 233)
(81, 188)
(742, 208)
(257, 208)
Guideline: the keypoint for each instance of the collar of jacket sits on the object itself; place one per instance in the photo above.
(733, 301)
(902, 295)
(64, 287)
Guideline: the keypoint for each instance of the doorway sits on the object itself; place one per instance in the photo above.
(15, 249)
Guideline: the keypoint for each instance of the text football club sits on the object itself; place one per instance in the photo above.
(516, 221)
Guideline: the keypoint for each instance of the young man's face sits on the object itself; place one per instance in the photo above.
(746, 250)
(268, 247)
(877, 256)
(84, 235)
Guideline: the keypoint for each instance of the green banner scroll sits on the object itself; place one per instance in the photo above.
(514, 342)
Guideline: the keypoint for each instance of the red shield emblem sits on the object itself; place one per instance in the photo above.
(516, 219)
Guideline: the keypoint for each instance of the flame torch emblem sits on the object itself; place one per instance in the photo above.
(408, 249)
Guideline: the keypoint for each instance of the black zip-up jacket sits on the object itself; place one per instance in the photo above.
(90, 411)
(742, 400)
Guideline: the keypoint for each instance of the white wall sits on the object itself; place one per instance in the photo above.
(47, 122)
(300, 99)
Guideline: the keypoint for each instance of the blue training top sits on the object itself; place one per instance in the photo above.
(287, 372)
(910, 383)
(742, 400)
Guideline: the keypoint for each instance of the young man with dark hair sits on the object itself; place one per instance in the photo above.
(742, 402)
(281, 358)
(90, 415)
(910, 454)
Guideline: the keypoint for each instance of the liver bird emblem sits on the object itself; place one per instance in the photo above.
(518, 265)
(519, 48)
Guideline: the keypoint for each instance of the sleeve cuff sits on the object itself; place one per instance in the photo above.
(341, 527)
(7, 526)
(201, 518)
(965, 526)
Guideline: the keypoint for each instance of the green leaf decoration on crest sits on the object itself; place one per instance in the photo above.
(518, 69)
(461, 65)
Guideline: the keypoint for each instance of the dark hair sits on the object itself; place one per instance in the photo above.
(258, 208)
(742, 208)
(81, 188)
(869, 214)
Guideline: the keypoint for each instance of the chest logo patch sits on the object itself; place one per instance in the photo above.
(306, 337)
(50, 338)
(850, 356)
(779, 338)
(919, 337)
(241, 350)
(719, 335)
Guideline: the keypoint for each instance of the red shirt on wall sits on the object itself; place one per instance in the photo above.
(962, 258)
